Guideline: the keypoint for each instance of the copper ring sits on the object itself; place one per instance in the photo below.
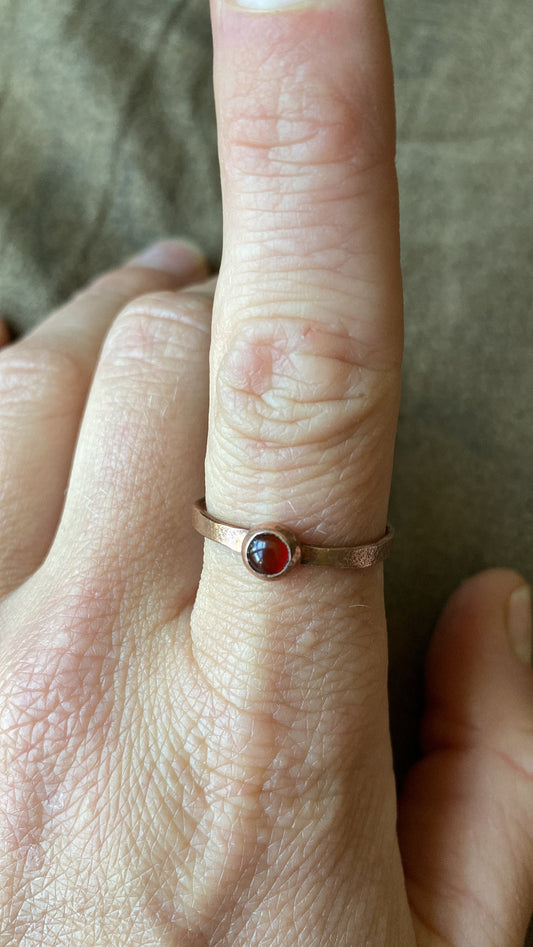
(271, 550)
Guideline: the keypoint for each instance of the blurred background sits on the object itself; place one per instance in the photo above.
(108, 141)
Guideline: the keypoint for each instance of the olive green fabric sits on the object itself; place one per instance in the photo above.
(107, 141)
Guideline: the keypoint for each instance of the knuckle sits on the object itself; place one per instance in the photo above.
(162, 328)
(47, 374)
(294, 383)
(304, 125)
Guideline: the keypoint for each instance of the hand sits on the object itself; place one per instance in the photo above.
(191, 756)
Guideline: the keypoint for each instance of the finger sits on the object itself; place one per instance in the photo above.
(139, 459)
(44, 379)
(465, 818)
(5, 334)
(306, 335)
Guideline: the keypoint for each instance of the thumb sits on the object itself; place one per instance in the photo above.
(466, 816)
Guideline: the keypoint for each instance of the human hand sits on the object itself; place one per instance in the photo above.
(210, 765)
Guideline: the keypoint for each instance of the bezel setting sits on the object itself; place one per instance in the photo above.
(277, 535)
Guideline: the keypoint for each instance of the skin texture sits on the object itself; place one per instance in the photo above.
(188, 756)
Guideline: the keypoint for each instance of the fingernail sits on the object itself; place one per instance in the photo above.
(519, 622)
(270, 5)
(180, 257)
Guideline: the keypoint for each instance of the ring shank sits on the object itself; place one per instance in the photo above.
(339, 557)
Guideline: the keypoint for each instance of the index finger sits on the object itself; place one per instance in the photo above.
(307, 326)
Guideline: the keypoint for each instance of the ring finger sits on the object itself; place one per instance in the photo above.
(44, 380)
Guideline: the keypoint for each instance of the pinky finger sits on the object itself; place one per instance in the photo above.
(5, 335)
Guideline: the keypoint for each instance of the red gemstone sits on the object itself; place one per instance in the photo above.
(268, 554)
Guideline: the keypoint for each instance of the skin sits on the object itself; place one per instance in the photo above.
(189, 756)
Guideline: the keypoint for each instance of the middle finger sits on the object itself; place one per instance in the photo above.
(44, 380)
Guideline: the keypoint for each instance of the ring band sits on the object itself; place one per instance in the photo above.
(270, 550)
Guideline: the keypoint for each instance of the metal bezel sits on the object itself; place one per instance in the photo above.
(286, 536)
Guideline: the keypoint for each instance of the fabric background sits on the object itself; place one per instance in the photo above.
(107, 141)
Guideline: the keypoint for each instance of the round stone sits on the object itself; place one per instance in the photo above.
(268, 554)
